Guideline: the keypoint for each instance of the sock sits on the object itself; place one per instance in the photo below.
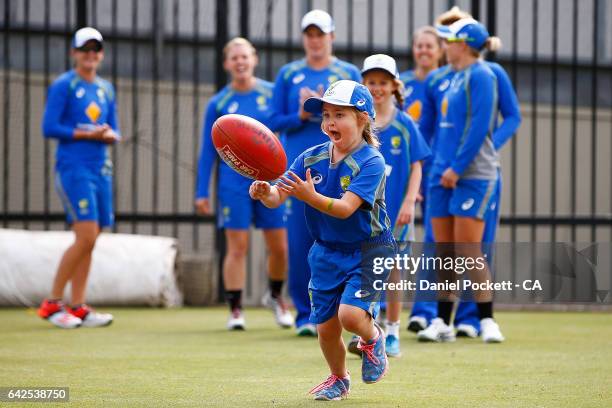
(276, 287)
(445, 309)
(375, 338)
(234, 299)
(392, 328)
(485, 309)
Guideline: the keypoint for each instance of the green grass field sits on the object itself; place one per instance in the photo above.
(185, 357)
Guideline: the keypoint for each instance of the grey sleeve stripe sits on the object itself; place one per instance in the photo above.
(485, 201)
(375, 224)
(310, 161)
(350, 161)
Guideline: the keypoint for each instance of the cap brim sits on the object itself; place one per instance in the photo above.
(365, 71)
(444, 32)
(88, 40)
(315, 105)
(317, 26)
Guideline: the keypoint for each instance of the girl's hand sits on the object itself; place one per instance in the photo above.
(406, 213)
(449, 178)
(259, 190)
(301, 189)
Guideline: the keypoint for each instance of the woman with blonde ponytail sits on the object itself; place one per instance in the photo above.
(466, 317)
(236, 211)
(464, 175)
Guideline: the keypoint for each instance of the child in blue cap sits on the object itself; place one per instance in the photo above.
(342, 182)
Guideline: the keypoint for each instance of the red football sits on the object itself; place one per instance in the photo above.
(249, 147)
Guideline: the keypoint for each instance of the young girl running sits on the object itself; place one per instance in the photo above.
(299, 130)
(403, 149)
(342, 183)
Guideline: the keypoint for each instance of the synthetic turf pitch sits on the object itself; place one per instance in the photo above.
(185, 357)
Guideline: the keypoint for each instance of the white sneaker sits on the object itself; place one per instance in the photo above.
(307, 330)
(437, 331)
(95, 319)
(282, 315)
(58, 314)
(90, 317)
(490, 331)
(236, 320)
(417, 323)
(466, 330)
(65, 320)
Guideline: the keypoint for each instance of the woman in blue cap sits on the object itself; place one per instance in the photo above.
(342, 183)
(81, 113)
(424, 310)
(464, 173)
(466, 317)
(299, 130)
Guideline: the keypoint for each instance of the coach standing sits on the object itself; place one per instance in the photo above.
(299, 130)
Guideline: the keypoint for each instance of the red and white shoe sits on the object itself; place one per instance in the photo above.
(90, 317)
(55, 312)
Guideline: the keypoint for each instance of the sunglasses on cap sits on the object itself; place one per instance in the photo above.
(456, 40)
(91, 46)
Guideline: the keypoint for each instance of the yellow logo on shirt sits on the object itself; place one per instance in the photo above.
(83, 206)
(414, 110)
(345, 181)
(332, 78)
(226, 211)
(261, 100)
(444, 107)
(93, 111)
(396, 141)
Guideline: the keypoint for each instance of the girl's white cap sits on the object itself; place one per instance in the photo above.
(382, 62)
